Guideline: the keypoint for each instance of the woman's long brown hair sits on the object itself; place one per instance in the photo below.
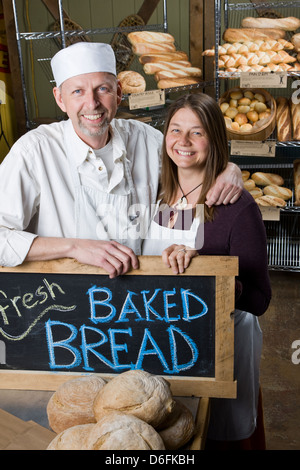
(212, 120)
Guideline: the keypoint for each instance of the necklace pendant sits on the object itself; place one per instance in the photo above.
(181, 203)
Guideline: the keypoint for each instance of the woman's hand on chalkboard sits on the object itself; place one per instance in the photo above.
(178, 257)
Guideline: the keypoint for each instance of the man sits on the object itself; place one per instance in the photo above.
(76, 188)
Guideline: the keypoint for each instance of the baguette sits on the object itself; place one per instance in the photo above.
(287, 24)
(297, 182)
(250, 34)
(270, 201)
(295, 112)
(278, 191)
(296, 42)
(163, 57)
(177, 82)
(137, 37)
(152, 48)
(283, 120)
(187, 72)
(264, 179)
(153, 67)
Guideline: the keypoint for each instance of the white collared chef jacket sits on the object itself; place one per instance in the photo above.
(37, 187)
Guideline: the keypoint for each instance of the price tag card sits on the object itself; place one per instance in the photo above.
(270, 213)
(263, 80)
(147, 99)
(253, 148)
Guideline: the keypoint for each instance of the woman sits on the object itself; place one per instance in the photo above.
(195, 152)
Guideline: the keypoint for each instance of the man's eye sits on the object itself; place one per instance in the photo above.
(103, 89)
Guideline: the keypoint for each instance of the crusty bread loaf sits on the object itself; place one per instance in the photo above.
(137, 37)
(256, 192)
(283, 120)
(295, 113)
(71, 438)
(120, 431)
(245, 175)
(180, 428)
(163, 57)
(132, 82)
(278, 191)
(252, 34)
(270, 201)
(72, 403)
(296, 41)
(287, 24)
(249, 184)
(138, 393)
(153, 67)
(297, 182)
(152, 48)
(182, 73)
(177, 82)
(264, 179)
(250, 46)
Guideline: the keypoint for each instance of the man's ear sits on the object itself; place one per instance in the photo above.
(58, 98)
(119, 92)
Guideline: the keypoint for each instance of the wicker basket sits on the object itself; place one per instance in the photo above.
(262, 129)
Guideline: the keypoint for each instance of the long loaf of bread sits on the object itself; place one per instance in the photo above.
(295, 112)
(270, 201)
(283, 120)
(153, 67)
(297, 182)
(163, 57)
(296, 41)
(187, 72)
(137, 37)
(251, 34)
(264, 179)
(177, 82)
(152, 48)
(287, 24)
(278, 191)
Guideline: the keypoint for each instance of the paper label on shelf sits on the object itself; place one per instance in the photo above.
(263, 80)
(147, 99)
(270, 213)
(252, 148)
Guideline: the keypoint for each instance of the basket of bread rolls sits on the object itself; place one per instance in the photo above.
(250, 114)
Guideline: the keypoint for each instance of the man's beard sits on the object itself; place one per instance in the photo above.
(95, 132)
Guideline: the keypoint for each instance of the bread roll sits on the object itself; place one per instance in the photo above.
(138, 393)
(295, 115)
(132, 82)
(119, 431)
(256, 192)
(278, 191)
(250, 34)
(163, 57)
(283, 120)
(152, 48)
(245, 175)
(264, 179)
(296, 41)
(249, 184)
(177, 82)
(71, 438)
(72, 403)
(153, 67)
(137, 37)
(297, 182)
(180, 429)
(287, 24)
(270, 201)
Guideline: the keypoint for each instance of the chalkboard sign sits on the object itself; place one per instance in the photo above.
(63, 317)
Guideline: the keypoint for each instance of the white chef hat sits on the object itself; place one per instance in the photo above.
(82, 57)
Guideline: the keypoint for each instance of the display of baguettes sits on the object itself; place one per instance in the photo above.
(286, 24)
(295, 112)
(297, 182)
(283, 120)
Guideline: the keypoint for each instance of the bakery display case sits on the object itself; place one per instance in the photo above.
(242, 39)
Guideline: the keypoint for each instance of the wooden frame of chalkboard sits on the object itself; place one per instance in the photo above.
(187, 336)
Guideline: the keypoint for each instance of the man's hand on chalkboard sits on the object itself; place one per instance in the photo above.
(227, 188)
(178, 257)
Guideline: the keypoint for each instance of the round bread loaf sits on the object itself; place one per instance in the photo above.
(132, 82)
(179, 431)
(119, 431)
(72, 403)
(71, 438)
(138, 393)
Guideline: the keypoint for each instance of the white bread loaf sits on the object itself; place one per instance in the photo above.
(182, 73)
(251, 34)
(249, 184)
(296, 41)
(270, 201)
(137, 37)
(297, 182)
(119, 431)
(72, 403)
(152, 48)
(283, 120)
(264, 179)
(132, 82)
(138, 393)
(287, 24)
(153, 67)
(256, 192)
(71, 438)
(177, 82)
(278, 191)
(295, 112)
(180, 428)
(245, 175)
(163, 57)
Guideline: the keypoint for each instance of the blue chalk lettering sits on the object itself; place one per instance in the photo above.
(90, 348)
(118, 347)
(173, 347)
(185, 294)
(156, 350)
(65, 344)
(129, 307)
(148, 308)
(167, 306)
(104, 302)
